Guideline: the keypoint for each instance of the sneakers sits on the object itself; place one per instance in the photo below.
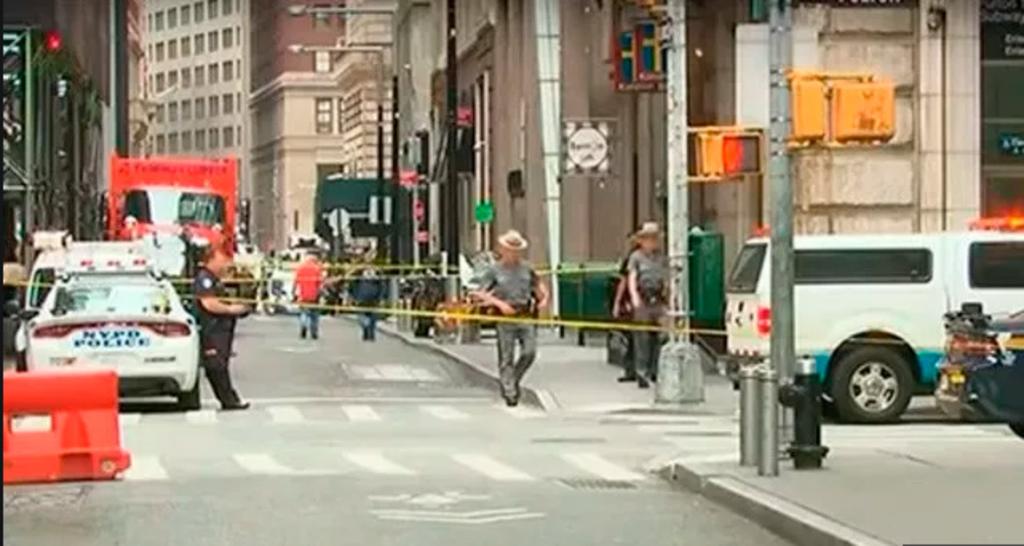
(239, 406)
(642, 383)
(302, 333)
(628, 378)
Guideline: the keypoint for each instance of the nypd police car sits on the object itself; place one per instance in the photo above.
(114, 312)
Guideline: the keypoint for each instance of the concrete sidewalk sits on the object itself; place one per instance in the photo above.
(573, 378)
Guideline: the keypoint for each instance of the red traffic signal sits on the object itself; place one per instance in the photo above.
(728, 154)
(52, 40)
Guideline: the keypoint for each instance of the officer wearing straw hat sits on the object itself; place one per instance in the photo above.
(512, 286)
(647, 284)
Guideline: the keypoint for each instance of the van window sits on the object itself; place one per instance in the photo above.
(997, 265)
(42, 282)
(747, 270)
(859, 266)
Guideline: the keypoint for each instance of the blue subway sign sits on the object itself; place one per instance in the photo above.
(1012, 144)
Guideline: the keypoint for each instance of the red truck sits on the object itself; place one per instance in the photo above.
(193, 197)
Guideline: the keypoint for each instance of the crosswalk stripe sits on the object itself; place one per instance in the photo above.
(261, 463)
(446, 413)
(492, 468)
(145, 468)
(285, 414)
(201, 417)
(377, 463)
(520, 412)
(130, 418)
(360, 413)
(601, 467)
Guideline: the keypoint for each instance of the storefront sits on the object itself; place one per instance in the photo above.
(1002, 123)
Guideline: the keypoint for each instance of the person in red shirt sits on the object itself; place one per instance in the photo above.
(309, 279)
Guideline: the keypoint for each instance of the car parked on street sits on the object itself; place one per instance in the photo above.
(982, 375)
(868, 307)
(115, 312)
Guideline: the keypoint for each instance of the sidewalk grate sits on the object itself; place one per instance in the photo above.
(590, 484)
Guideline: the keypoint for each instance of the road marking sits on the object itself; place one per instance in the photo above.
(130, 418)
(445, 413)
(492, 468)
(285, 415)
(404, 400)
(377, 463)
(360, 413)
(479, 517)
(201, 417)
(601, 467)
(520, 412)
(145, 468)
(262, 463)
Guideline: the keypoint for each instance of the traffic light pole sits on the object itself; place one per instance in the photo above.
(450, 210)
(783, 352)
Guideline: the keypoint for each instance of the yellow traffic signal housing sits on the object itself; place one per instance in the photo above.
(863, 111)
(809, 106)
(728, 153)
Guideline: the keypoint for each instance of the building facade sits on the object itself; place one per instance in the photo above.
(197, 69)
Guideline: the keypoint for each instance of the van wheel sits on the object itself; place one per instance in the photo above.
(1018, 429)
(189, 400)
(872, 385)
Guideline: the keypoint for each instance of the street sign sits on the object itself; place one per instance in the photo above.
(484, 212)
(587, 146)
(380, 210)
(1012, 144)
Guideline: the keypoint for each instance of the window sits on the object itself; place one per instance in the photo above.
(200, 140)
(322, 61)
(997, 265)
(214, 106)
(214, 138)
(212, 73)
(186, 110)
(229, 137)
(160, 82)
(172, 78)
(228, 101)
(862, 266)
(197, 10)
(226, 71)
(226, 9)
(211, 40)
(324, 117)
(186, 46)
(200, 41)
(186, 15)
(161, 144)
(172, 112)
(226, 38)
(321, 18)
(238, 69)
(159, 52)
(211, 12)
(150, 18)
(186, 141)
(149, 51)
(747, 270)
(172, 143)
(238, 36)
(160, 113)
(186, 78)
(172, 18)
(341, 121)
(172, 49)
(200, 108)
(159, 21)
(200, 73)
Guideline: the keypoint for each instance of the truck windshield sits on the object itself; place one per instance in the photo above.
(174, 206)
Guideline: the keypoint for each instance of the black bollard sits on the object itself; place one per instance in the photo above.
(804, 396)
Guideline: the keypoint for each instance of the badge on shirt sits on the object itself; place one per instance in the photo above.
(206, 283)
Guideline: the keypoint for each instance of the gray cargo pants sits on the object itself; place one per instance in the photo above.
(510, 369)
(647, 344)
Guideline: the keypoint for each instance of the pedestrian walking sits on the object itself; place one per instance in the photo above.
(514, 288)
(648, 292)
(622, 311)
(217, 319)
(309, 281)
(367, 293)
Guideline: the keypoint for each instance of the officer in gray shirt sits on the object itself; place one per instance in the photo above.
(515, 290)
(648, 286)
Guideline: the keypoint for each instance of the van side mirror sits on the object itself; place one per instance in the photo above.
(972, 308)
(28, 314)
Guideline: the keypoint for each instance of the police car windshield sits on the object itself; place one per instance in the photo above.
(113, 295)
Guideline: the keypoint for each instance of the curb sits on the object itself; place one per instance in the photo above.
(789, 520)
(481, 375)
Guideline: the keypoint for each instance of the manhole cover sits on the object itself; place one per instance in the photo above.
(16, 499)
(568, 440)
(597, 484)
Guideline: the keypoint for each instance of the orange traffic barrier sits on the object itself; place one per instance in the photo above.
(83, 440)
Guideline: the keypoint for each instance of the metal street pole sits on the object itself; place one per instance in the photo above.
(783, 351)
(119, 35)
(29, 140)
(397, 195)
(451, 208)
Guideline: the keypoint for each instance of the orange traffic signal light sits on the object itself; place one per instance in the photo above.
(863, 111)
(722, 154)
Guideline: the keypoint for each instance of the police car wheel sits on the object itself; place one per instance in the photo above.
(1018, 429)
(872, 385)
(189, 400)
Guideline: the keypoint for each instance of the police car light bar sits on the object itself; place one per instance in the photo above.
(1007, 223)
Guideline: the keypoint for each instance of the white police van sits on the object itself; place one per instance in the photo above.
(869, 308)
(110, 310)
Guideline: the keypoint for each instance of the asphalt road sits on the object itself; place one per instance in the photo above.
(370, 444)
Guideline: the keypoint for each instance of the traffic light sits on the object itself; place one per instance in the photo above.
(728, 152)
(863, 111)
(809, 106)
(52, 41)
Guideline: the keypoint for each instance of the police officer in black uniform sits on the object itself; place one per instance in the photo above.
(217, 326)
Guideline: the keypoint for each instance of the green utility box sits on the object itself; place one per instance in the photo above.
(707, 279)
(584, 290)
